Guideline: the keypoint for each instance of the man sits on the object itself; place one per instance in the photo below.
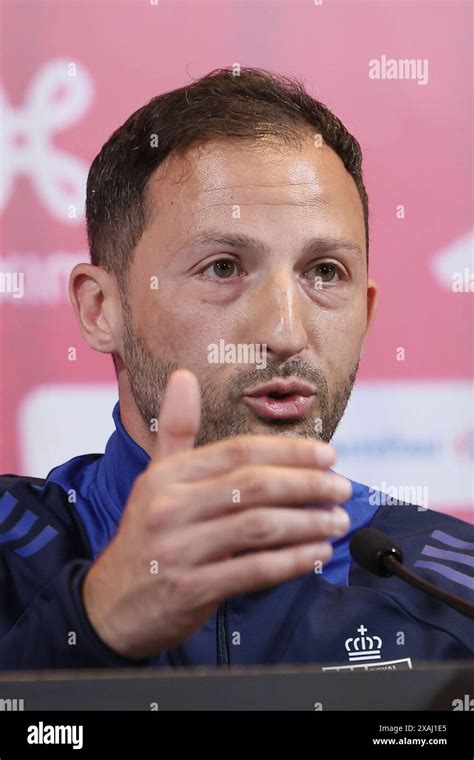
(228, 229)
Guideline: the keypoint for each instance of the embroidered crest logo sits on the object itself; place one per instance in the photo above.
(363, 647)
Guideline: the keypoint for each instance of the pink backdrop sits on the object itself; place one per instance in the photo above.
(73, 71)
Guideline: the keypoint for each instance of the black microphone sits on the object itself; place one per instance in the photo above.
(380, 555)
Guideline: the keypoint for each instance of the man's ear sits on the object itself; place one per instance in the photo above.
(372, 290)
(95, 298)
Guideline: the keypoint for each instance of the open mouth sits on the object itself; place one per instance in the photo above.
(278, 406)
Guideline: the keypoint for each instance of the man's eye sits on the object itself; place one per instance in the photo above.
(221, 268)
(326, 271)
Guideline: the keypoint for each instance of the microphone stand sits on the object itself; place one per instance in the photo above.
(396, 568)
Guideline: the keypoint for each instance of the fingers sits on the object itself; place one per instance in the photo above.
(246, 487)
(179, 419)
(251, 530)
(254, 572)
(223, 456)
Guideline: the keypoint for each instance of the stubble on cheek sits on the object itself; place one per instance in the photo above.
(223, 412)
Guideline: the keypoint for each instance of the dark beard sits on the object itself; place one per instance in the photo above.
(222, 416)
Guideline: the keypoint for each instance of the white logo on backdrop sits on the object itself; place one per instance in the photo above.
(457, 257)
(58, 95)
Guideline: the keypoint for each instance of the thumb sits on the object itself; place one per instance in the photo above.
(180, 414)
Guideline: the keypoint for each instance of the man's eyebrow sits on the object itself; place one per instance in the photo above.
(252, 245)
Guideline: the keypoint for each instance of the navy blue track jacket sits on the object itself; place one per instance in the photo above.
(343, 617)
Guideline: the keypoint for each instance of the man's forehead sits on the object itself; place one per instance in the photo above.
(309, 186)
(245, 168)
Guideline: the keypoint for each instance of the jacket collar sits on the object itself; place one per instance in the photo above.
(123, 462)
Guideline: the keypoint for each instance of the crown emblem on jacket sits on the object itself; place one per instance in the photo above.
(363, 647)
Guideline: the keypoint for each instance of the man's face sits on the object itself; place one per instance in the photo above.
(289, 281)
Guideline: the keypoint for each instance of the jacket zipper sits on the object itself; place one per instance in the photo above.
(222, 648)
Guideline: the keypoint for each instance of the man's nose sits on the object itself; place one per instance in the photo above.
(278, 316)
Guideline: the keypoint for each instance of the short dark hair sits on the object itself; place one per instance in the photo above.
(249, 104)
